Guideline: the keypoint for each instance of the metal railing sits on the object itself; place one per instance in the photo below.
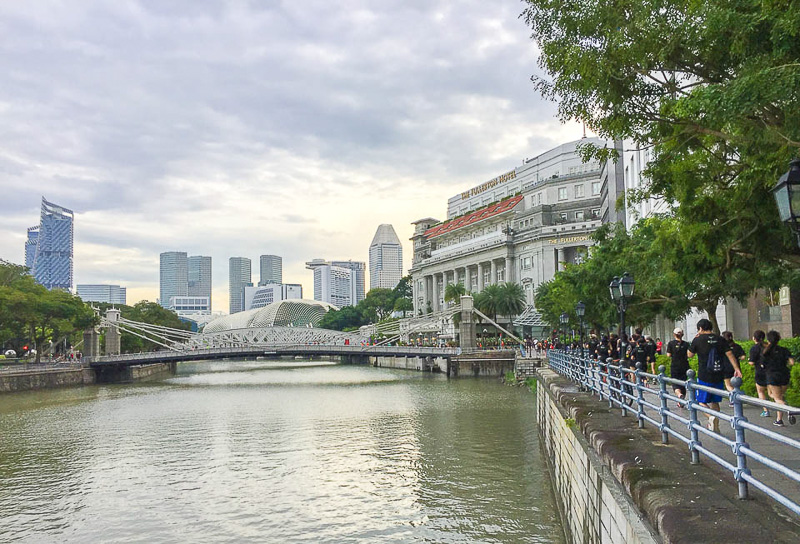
(24, 367)
(626, 388)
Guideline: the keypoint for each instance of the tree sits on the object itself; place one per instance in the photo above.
(487, 301)
(510, 299)
(453, 292)
(711, 89)
(346, 318)
(377, 305)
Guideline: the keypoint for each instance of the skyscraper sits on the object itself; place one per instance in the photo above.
(385, 259)
(173, 277)
(199, 276)
(48, 249)
(271, 269)
(238, 278)
(359, 269)
(113, 294)
(338, 282)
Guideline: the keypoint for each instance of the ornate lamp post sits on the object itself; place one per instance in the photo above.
(580, 311)
(621, 290)
(787, 196)
(564, 320)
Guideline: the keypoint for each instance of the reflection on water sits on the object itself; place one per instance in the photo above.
(273, 452)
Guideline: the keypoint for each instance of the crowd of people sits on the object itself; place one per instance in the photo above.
(719, 359)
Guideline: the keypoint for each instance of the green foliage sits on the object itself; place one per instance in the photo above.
(453, 292)
(144, 312)
(532, 383)
(377, 306)
(30, 314)
(510, 377)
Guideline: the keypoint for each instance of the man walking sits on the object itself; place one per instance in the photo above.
(711, 372)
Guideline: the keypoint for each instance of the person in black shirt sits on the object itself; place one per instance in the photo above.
(738, 353)
(757, 362)
(701, 345)
(651, 352)
(676, 351)
(777, 360)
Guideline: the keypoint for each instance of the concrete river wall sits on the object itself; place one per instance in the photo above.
(616, 483)
(27, 378)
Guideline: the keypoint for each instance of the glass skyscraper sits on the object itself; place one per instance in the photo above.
(385, 259)
(238, 279)
(271, 270)
(199, 276)
(173, 277)
(49, 247)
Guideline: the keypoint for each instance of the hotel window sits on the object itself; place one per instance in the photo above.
(563, 216)
(596, 213)
(501, 275)
(579, 191)
(526, 263)
(562, 193)
(579, 215)
(596, 186)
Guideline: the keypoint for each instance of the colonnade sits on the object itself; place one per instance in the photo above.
(474, 277)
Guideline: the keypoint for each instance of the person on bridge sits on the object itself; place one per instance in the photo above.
(777, 360)
(707, 374)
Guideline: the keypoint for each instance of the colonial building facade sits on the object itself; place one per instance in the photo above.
(522, 226)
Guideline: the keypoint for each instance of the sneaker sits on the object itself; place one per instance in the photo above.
(778, 423)
(713, 424)
(765, 413)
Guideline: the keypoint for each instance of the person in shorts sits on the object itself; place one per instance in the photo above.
(755, 360)
(701, 345)
(777, 360)
(738, 353)
(677, 352)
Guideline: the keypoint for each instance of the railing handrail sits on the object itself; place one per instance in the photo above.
(611, 380)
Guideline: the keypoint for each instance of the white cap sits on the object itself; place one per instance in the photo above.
(677, 330)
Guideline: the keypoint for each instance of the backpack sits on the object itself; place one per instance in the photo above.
(714, 363)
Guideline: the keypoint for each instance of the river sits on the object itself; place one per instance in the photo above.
(265, 451)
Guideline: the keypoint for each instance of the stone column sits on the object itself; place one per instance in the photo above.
(455, 276)
(435, 292)
(509, 269)
(91, 343)
(467, 280)
(113, 340)
(493, 275)
(466, 329)
(480, 277)
(560, 259)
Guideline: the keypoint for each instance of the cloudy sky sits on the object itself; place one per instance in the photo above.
(241, 128)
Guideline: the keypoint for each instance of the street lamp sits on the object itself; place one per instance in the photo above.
(787, 196)
(564, 318)
(622, 290)
(580, 311)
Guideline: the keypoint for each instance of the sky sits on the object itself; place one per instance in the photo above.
(242, 128)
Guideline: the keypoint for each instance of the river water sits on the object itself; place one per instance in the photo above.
(275, 452)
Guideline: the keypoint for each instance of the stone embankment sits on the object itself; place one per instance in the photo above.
(34, 377)
(615, 482)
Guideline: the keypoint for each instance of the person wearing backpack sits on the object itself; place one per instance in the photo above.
(710, 349)
(777, 360)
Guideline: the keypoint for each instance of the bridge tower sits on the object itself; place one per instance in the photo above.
(113, 334)
(467, 326)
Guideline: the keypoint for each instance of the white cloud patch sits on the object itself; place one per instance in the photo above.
(242, 128)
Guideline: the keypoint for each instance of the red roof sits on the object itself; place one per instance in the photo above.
(474, 217)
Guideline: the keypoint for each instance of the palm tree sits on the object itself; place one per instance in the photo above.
(510, 299)
(487, 300)
(453, 292)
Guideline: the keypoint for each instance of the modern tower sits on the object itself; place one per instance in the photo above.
(359, 269)
(199, 276)
(271, 269)
(238, 278)
(48, 249)
(112, 294)
(173, 277)
(385, 259)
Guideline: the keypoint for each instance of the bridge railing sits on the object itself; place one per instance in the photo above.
(277, 349)
(23, 367)
(627, 389)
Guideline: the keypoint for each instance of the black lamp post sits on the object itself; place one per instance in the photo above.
(787, 196)
(580, 311)
(621, 290)
(564, 320)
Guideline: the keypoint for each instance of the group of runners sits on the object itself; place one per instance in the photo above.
(719, 359)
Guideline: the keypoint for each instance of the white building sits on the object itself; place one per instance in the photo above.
(262, 295)
(335, 284)
(112, 294)
(359, 269)
(385, 259)
(521, 226)
(239, 269)
(188, 305)
(271, 269)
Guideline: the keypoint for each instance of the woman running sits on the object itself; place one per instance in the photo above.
(757, 363)
(777, 361)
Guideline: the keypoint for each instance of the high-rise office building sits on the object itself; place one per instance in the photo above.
(199, 276)
(271, 269)
(336, 284)
(385, 259)
(173, 277)
(263, 295)
(112, 294)
(359, 269)
(238, 278)
(48, 248)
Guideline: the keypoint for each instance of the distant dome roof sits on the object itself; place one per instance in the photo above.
(385, 235)
(284, 313)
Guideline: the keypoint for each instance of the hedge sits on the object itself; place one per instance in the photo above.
(748, 373)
